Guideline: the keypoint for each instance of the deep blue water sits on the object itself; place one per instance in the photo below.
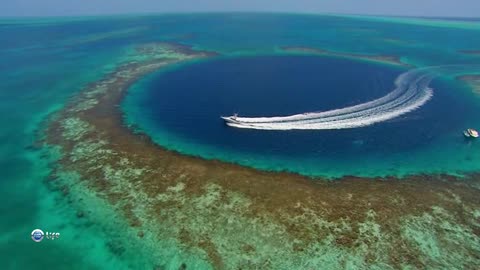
(186, 104)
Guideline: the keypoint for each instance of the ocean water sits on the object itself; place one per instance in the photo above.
(181, 110)
(45, 61)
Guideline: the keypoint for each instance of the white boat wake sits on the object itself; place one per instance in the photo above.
(410, 93)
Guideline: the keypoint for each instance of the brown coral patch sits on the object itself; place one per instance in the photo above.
(388, 59)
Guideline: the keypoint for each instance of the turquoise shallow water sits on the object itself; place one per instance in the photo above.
(45, 61)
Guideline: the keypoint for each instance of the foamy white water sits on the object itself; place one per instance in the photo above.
(410, 93)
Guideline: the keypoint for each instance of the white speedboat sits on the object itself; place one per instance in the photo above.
(230, 119)
(471, 133)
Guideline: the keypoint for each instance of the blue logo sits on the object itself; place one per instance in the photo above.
(37, 235)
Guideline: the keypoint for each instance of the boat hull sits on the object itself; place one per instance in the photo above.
(229, 119)
(469, 133)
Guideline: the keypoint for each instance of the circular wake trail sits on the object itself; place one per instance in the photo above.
(410, 93)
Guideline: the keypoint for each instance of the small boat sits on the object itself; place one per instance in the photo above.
(470, 133)
(230, 119)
